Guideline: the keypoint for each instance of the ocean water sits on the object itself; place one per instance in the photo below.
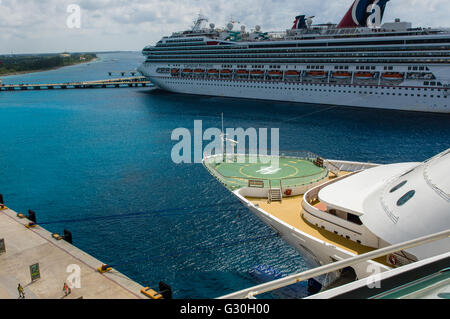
(98, 162)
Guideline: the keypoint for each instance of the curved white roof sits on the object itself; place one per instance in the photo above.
(399, 202)
(350, 193)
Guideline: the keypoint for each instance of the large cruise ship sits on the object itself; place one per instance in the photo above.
(358, 62)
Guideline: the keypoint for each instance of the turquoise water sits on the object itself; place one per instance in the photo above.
(75, 154)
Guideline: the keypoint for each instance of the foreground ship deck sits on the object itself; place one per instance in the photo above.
(352, 209)
(26, 247)
(288, 211)
(427, 279)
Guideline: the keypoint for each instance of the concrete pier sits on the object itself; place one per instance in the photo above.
(29, 246)
(131, 82)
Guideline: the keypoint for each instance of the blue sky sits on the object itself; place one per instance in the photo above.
(31, 26)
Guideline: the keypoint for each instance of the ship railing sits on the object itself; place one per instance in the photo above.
(250, 293)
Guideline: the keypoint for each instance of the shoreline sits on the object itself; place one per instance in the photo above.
(45, 70)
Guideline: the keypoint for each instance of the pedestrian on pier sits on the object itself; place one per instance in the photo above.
(66, 289)
(21, 292)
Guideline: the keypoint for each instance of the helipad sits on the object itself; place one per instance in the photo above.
(287, 171)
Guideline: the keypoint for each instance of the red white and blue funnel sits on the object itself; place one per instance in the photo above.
(364, 13)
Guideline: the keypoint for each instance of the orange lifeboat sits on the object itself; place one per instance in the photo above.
(275, 74)
(213, 73)
(317, 74)
(226, 72)
(342, 75)
(241, 73)
(392, 76)
(175, 72)
(292, 75)
(257, 73)
(363, 75)
(187, 71)
(199, 72)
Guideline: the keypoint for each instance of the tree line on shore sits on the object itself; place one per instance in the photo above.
(28, 63)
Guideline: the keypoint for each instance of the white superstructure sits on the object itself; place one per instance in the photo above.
(367, 207)
(387, 205)
(355, 63)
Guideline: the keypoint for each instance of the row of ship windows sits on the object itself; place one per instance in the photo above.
(345, 67)
(293, 60)
(426, 83)
(319, 44)
(321, 67)
(231, 50)
(315, 90)
(304, 56)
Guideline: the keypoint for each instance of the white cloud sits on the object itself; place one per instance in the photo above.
(40, 25)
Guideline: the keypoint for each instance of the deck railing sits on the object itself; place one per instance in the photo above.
(292, 279)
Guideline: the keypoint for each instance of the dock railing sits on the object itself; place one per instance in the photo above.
(292, 279)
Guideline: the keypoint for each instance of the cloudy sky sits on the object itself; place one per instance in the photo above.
(33, 26)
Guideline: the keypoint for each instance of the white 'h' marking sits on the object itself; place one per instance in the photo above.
(268, 170)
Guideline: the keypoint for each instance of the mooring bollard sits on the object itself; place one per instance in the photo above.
(32, 216)
(165, 290)
(1, 200)
(67, 236)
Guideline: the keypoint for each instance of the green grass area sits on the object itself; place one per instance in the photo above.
(290, 172)
(32, 63)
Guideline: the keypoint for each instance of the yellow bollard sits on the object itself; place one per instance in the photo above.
(150, 293)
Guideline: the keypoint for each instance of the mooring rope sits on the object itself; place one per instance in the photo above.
(198, 249)
(160, 212)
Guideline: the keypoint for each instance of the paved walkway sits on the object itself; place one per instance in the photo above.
(25, 247)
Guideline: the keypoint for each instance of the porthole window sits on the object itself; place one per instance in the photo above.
(405, 198)
(396, 188)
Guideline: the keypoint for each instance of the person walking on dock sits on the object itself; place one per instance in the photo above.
(21, 292)
(66, 290)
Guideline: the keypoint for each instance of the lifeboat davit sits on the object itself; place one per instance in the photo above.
(364, 76)
(317, 74)
(342, 75)
(392, 76)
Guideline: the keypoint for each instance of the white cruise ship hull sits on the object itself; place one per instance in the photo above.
(405, 98)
